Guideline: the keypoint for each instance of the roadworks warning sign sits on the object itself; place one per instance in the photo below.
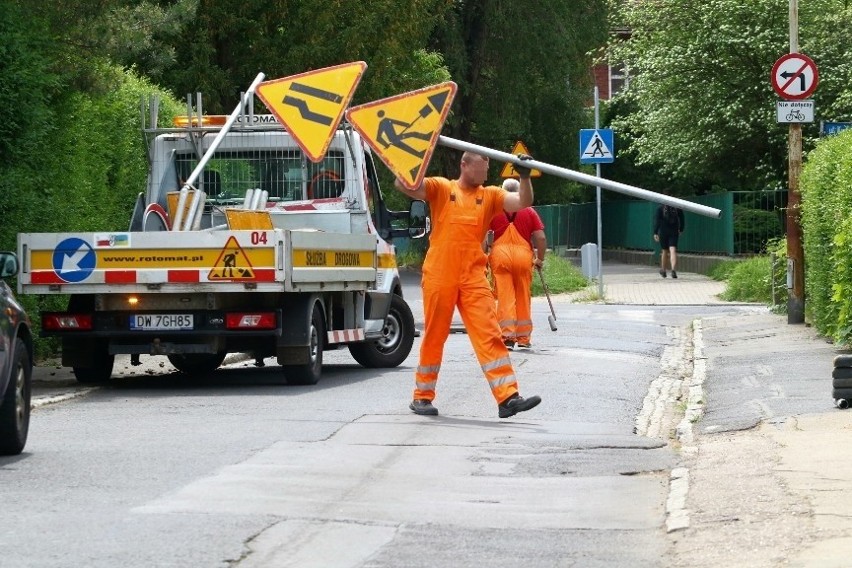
(232, 264)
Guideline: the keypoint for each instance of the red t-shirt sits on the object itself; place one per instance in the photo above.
(526, 222)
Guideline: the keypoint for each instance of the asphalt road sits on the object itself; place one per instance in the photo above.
(240, 469)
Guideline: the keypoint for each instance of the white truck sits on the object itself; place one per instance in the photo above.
(268, 254)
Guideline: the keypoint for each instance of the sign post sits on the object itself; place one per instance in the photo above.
(794, 77)
(597, 146)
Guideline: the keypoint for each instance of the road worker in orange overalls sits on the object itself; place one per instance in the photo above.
(454, 277)
(512, 261)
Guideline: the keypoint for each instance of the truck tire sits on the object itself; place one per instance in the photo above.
(395, 344)
(15, 403)
(197, 364)
(100, 373)
(309, 373)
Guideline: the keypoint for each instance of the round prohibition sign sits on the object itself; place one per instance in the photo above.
(795, 76)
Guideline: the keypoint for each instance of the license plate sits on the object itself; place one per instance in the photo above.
(145, 322)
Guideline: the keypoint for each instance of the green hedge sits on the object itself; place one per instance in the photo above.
(85, 173)
(826, 187)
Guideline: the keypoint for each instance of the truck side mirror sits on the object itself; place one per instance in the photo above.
(8, 264)
(419, 223)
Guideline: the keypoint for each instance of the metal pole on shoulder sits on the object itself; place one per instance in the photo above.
(179, 224)
(580, 177)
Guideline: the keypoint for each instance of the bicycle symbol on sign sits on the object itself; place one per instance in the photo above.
(795, 115)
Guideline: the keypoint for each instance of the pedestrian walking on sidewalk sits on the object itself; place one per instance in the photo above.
(668, 225)
(512, 260)
(454, 277)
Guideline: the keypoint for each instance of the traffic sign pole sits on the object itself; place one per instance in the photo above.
(795, 252)
(598, 201)
(580, 177)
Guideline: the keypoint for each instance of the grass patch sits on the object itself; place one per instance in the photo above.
(749, 281)
(561, 276)
(411, 258)
(722, 270)
(754, 279)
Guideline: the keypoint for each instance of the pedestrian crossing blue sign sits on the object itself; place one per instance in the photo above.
(597, 146)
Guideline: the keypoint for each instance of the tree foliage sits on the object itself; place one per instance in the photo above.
(28, 89)
(229, 41)
(700, 104)
(131, 33)
(523, 71)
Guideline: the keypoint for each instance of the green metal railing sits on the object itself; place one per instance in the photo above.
(749, 219)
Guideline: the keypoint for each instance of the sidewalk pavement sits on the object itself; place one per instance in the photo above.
(772, 491)
(642, 285)
(767, 490)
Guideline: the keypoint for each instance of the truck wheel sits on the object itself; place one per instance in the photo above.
(100, 373)
(15, 404)
(393, 347)
(309, 373)
(197, 364)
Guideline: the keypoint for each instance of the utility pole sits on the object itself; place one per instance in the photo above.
(795, 253)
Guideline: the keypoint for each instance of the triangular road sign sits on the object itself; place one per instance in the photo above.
(508, 170)
(404, 129)
(597, 146)
(310, 105)
(232, 264)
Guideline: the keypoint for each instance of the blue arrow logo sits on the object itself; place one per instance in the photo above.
(74, 260)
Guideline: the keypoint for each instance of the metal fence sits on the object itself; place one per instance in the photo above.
(749, 220)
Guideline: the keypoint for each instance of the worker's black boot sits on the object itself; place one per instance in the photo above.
(516, 403)
(423, 407)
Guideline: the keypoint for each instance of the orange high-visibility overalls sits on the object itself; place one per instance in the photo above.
(454, 276)
(511, 265)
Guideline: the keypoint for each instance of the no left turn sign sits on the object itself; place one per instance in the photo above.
(795, 76)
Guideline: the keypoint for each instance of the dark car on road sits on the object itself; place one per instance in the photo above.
(16, 367)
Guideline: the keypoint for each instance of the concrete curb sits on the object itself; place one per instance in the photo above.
(677, 514)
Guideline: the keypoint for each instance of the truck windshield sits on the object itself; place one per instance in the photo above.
(285, 174)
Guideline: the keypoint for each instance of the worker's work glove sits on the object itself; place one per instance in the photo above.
(523, 173)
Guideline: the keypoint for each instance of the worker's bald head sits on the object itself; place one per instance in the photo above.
(471, 157)
(474, 169)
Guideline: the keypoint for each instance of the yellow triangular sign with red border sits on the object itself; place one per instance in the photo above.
(508, 170)
(311, 104)
(403, 130)
(232, 264)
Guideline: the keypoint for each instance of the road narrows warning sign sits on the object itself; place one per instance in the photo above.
(310, 105)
